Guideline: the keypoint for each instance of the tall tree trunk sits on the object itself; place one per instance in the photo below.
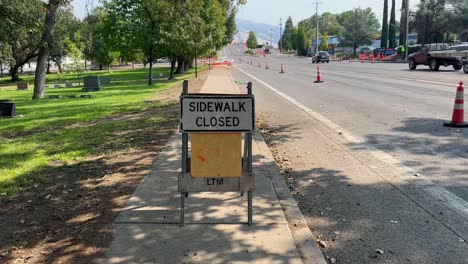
(1, 69)
(171, 74)
(59, 65)
(85, 64)
(186, 65)
(180, 66)
(403, 23)
(384, 37)
(150, 72)
(392, 27)
(40, 75)
(48, 68)
(100, 67)
(14, 73)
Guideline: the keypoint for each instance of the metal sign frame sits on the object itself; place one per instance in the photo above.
(245, 183)
(216, 96)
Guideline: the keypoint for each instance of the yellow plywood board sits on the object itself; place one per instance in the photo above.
(216, 155)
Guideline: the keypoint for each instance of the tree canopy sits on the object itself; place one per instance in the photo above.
(252, 40)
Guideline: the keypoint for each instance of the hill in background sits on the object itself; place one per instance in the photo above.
(264, 32)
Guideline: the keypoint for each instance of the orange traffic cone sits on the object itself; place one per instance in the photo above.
(458, 110)
(266, 66)
(282, 69)
(319, 76)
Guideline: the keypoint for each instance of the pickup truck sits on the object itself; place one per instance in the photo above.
(435, 55)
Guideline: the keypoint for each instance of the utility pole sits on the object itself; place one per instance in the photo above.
(407, 29)
(281, 35)
(317, 28)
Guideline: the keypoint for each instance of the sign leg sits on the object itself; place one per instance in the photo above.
(182, 209)
(250, 207)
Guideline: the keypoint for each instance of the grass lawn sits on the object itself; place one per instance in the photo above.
(67, 130)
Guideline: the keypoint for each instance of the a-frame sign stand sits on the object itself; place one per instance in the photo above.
(235, 114)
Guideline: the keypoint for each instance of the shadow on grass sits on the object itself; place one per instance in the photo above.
(70, 220)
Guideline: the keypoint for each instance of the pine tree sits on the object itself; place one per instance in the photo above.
(385, 26)
(403, 23)
(288, 38)
(392, 27)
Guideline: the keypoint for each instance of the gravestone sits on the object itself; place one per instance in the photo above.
(22, 86)
(86, 96)
(7, 109)
(69, 85)
(91, 83)
(56, 86)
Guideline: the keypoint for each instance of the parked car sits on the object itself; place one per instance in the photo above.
(434, 55)
(322, 56)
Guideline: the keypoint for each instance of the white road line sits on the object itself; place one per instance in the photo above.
(439, 193)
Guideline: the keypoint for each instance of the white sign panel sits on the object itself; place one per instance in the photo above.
(212, 113)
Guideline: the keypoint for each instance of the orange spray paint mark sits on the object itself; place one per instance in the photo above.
(201, 158)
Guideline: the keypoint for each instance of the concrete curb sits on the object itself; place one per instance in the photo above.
(300, 231)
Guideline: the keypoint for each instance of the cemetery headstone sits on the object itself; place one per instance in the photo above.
(69, 85)
(56, 86)
(91, 83)
(7, 109)
(86, 96)
(22, 86)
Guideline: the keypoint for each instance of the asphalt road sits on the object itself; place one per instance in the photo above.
(392, 108)
(383, 106)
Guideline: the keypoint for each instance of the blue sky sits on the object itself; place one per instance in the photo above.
(269, 11)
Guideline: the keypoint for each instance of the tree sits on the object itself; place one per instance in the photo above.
(44, 46)
(360, 27)
(5, 56)
(286, 38)
(324, 44)
(458, 19)
(293, 41)
(252, 40)
(403, 23)
(328, 23)
(392, 27)
(21, 29)
(301, 42)
(384, 38)
(66, 29)
(431, 21)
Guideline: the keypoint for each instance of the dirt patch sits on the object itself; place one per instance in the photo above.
(69, 219)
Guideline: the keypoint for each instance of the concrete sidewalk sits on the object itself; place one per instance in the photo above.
(147, 230)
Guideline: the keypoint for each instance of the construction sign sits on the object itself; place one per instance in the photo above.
(217, 133)
(217, 113)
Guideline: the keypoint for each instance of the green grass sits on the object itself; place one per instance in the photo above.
(49, 129)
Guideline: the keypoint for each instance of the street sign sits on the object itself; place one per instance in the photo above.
(213, 124)
(217, 113)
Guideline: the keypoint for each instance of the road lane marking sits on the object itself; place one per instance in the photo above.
(440, 194)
